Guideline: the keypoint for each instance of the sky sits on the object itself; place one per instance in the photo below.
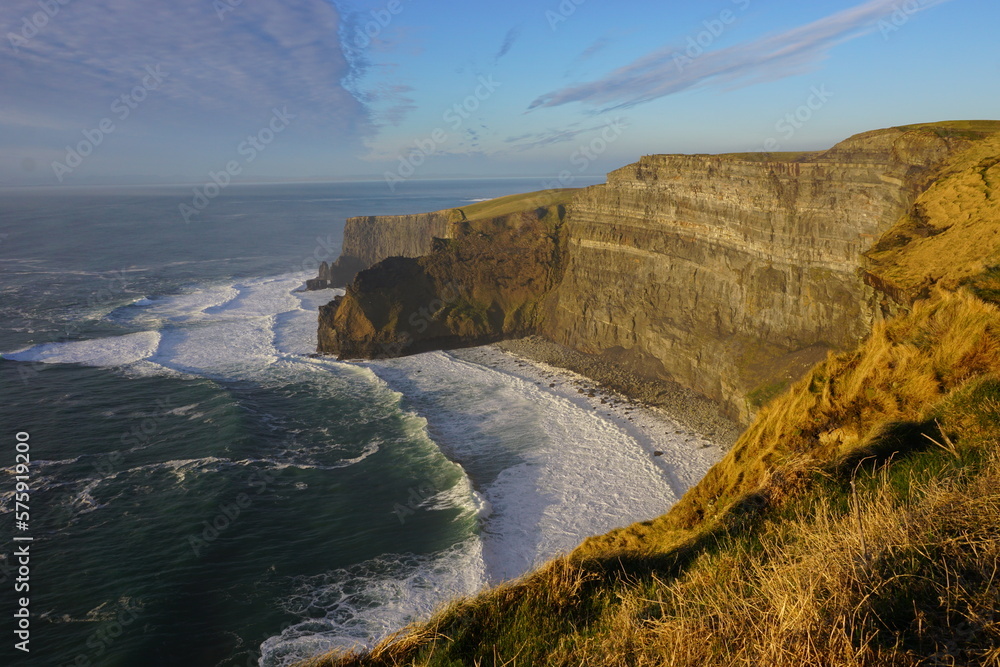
(188, 91)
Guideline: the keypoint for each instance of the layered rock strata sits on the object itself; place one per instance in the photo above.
(728, 274)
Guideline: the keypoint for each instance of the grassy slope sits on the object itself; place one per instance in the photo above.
(785, 156)
(515, 204)
(953, 236)
(856, 522)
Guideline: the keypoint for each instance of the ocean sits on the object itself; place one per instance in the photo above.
(203, 491)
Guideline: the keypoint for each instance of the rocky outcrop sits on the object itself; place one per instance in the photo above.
(483, 284)
(728, 274)
(372, 238)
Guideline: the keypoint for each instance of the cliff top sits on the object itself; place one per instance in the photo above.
(494, 208)
(919, 144)
(952, 235)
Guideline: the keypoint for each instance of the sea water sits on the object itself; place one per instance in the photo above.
(206, 492)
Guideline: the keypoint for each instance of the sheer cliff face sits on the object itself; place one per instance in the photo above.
(372, 238)
(733, 275)
(483, 284)
(729, 274)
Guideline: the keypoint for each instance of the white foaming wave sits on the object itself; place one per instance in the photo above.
(236, 349)
(183, 307)
(295, 330)
(557, 473)
(223, 331)
(110, 352)
(369, 449)
(259, 298)
(356, 607)
(460, 496)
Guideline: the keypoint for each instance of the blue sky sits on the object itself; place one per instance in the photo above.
(135, 91)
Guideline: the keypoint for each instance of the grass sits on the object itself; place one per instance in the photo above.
(763, 156)
(953, 236)
(515, 204)
(958, 129)
(763, 394)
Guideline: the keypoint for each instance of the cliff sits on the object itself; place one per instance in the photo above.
(370, 239)
(856, 521)
(485, 282)
(734, 276)
(731, 274)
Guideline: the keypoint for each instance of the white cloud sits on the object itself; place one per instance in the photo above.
(659, 74)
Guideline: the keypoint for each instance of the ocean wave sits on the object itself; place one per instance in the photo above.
(357, 606)
(104, 352)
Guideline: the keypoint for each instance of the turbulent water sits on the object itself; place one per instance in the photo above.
(206, 492)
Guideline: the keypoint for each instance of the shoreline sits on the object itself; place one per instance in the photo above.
(618, 385)
(681, 454)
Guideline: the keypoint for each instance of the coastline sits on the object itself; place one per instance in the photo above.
(691, 411)
(681, 453)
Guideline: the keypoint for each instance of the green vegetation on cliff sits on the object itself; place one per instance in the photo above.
(520, 203)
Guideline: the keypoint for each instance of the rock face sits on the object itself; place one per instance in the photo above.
(484, 283)
(729, 274)
(732, 276)
(372, 238)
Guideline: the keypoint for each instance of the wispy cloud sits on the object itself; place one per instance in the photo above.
(238, 63)
(776, 56)
(529, 140)
(594, 48)
(508, 42)
(393, 103)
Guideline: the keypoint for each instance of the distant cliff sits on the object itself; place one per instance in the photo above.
(484, 282)
(731, 274)
(370, 239)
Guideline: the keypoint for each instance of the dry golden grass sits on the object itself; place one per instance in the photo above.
(901, 372)
(890, 581)
(954, 233)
